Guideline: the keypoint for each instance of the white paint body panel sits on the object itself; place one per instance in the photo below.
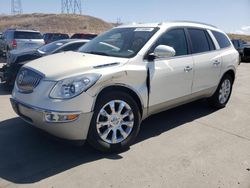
(170, 84)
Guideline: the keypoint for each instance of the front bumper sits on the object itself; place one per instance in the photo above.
(73, 130)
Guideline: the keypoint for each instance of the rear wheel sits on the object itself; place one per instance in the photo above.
(115, 123)
(223, 92)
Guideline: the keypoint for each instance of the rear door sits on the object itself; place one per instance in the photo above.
(207, 60)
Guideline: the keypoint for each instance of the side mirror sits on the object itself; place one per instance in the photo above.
(162, 51)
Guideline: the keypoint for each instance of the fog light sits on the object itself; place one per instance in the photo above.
(53, 117)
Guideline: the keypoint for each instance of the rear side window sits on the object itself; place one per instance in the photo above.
(27, 35)
(199, 41)
(221, 39)
(210, 42)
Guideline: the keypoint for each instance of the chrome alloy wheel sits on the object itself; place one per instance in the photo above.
(225, 90)
(115, 121)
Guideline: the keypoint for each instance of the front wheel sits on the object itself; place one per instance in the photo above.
(223, 93)
(115, 123)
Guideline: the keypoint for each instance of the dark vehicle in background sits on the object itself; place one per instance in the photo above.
(243, 48)
(51, 37)
(1, 43)
(17, 58)
(84, 36)
(246, 51)
(20, 39)
(239, 46)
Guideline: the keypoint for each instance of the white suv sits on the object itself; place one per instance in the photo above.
(103, 92)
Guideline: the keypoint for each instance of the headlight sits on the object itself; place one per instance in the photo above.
(71, 87)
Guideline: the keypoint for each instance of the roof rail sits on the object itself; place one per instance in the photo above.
(186, 21)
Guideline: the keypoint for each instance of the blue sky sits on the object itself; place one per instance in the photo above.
(230, 15)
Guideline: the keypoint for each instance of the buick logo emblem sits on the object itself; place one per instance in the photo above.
(21, 77)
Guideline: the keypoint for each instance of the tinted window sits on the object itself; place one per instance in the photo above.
(199, 40)
(210, 42)
(222, 39)
(84, 36)
(27, 35)
(175, 38)
(59, 36)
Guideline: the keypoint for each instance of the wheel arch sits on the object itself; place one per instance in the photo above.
(230, 72)
(124, 89)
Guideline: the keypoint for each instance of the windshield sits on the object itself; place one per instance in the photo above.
(120, 42)
(48, 48)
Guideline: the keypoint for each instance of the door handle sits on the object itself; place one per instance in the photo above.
(216, 62)
(188, 69)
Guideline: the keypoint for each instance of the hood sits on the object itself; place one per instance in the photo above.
(67, 64)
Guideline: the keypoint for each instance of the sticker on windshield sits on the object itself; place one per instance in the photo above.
(148, 29)
(59, 44)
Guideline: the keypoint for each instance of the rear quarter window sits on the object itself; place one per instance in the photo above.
(221, 39)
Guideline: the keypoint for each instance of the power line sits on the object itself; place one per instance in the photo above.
(71, 6)
(16, 7)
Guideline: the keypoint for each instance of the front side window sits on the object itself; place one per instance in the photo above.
(221, 39)
(175, 38)
(120, 42)
(199, 41)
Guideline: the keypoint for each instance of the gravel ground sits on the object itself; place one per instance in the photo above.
(189, 146)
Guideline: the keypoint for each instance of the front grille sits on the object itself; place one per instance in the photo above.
(27, 80)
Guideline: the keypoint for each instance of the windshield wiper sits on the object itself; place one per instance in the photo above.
(98, 53)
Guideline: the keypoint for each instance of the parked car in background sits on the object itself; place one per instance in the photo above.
(17, 58)
(1, 43)
(84, 36)
(20, 39)
(51, 37)
(239, 46)
(103, 92)
(246, 51)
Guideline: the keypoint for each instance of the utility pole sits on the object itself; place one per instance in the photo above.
(71, 6)
(16, 7)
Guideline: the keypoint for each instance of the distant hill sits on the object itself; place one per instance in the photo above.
(65, 23)
(55, 23)
(243, 37)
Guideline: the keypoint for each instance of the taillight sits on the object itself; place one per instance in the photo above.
(14, 44)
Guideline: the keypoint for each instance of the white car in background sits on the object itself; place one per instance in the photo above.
(102, 93)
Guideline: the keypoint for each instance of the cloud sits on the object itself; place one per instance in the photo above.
(239, 32)
(244, 30)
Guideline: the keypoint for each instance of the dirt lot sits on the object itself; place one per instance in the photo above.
(190, 146)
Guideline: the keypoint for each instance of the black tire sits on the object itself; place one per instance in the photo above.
(214, 100)
(93, 137)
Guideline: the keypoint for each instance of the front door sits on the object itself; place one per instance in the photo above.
(170, 78)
